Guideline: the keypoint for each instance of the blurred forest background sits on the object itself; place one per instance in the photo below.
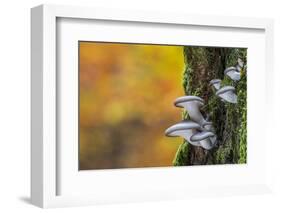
(126, 103)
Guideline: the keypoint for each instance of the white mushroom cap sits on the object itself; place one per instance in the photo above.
(193, 128)
(174, 130)
(238, 68)
(233, 73)
(240, 64)
(227, 94)
(184, 129)
(216, 83)
(229, 69)
(179, 102)
(203, 138)
(191, 104)
(207, 125)
(225, 89)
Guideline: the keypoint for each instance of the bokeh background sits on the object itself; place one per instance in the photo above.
(126, 103)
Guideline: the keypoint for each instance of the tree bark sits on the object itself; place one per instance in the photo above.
(229, 120)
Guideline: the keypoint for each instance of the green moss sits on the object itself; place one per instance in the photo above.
(242, 108)
(181, 156)
(187, 74)
(229, 120)
(233, 147)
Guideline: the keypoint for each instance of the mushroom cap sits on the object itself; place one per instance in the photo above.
(235, 75)
(207, 143)
(230, 69)
(201, 136)
(227, 94)
(225, 89)
(207, 123)
(215, 81)
(238, 68)
(183, 125)
(233, 72)
(240, 63)
(184, 99)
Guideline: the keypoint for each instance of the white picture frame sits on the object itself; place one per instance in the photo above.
(47, 156)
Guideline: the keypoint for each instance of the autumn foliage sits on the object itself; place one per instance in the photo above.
(126, 96)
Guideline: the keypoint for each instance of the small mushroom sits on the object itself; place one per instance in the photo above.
(233, 73)
(191, 104)
(184, 129)
(227, 93)
(216, 83)
(204, 139)
(208, 126)
(240, 64)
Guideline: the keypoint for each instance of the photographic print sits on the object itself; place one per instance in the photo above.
(151, 105)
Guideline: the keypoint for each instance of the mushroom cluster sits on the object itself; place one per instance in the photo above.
(198, 131)
(234, 72)
(227, 93)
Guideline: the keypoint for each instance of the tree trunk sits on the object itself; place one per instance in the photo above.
(229, 120)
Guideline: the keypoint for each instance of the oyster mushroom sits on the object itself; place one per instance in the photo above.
(208, 126)
(184, 129)
(191, 104)
(240, 64)
(204, 139)
(227, 93)
(216, 83)
(233, 73)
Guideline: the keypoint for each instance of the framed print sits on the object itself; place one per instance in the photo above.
(130, 106)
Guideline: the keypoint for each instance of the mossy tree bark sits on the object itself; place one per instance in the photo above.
(229, 120)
